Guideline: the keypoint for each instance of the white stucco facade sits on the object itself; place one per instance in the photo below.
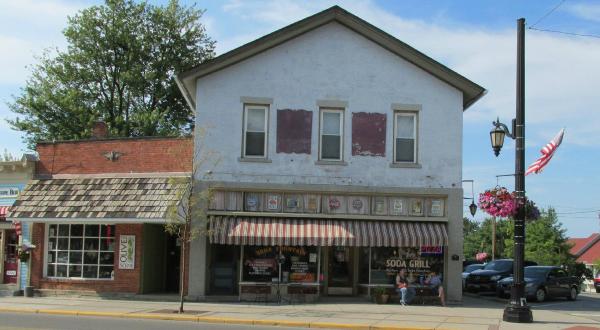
(337, 65)
(331, 63)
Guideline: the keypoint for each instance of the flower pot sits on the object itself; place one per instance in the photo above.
(382, 299)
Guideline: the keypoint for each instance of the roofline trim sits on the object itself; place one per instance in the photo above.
(90, 220)
(470, 90)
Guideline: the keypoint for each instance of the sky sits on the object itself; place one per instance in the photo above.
(475, 38)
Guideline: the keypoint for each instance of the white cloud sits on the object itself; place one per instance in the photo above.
(28, 27)
(561, 77)
(587, 11)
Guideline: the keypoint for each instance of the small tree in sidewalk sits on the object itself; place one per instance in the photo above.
(187, 217)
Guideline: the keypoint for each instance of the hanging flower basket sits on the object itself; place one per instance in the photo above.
(498, 202)
(481, 256)
(532, 212)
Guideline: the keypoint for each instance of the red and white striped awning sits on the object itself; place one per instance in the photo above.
(3, 211)
(316, 232)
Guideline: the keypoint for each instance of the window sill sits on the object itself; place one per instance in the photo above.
(254, 160)
(331, 162)
(405, 165)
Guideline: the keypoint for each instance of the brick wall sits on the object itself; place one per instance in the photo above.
(136, 155)
(125, 281)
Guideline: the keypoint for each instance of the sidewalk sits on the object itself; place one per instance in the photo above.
(341, 314)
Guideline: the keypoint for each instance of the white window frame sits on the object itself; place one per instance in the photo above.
(331, 110)
(245, 130)
(98, 265)
(415, 115)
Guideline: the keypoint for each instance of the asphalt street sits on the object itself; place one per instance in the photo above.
(59, 322)
(587, 305)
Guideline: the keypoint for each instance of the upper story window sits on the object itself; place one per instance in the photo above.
(405, 137)
(255, 131)
(331, 134)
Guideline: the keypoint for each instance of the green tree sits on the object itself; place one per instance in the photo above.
(8, 157)
(478, 238)
(120, 67)
(545, 241)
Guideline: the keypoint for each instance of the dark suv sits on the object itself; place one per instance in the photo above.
(487, 278)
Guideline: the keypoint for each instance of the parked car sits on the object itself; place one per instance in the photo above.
(486, 279)
(468, 269)
(597, 282)
(542, 282)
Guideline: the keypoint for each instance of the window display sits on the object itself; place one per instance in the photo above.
(299, 264)
(387, 261)
(80, 251)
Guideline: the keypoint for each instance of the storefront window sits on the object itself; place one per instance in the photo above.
(260, 264)
(387, 261)
(80, 251)
(299, 264)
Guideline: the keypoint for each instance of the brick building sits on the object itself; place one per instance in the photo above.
(97, 209)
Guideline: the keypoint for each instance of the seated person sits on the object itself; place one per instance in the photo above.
(402, 287)
(434, 281)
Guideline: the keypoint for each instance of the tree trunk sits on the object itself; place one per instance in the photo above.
(182, 263)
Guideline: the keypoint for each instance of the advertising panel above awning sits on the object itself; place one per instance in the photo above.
(327, 232)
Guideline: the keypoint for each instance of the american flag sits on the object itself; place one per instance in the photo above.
(547, 153)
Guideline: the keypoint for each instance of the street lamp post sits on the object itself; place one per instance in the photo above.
(517, 309)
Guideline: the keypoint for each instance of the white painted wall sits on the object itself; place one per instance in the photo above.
(331, 63)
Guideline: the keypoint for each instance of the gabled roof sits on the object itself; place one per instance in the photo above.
(587, 250)
(132, 199)
(187, 80)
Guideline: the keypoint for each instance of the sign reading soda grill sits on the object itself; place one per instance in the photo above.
(127, 252)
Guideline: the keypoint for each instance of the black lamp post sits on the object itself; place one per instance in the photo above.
(517, 309)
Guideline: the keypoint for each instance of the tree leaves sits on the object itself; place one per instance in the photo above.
(119, 67)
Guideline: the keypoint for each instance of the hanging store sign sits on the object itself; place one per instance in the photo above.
(9, 192)
(127, 252)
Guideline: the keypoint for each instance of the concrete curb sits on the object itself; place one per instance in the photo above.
(211, 319)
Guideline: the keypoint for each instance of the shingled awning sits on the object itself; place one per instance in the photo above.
(130, 199)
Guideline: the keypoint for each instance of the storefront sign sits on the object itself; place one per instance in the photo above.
(432, 251)
(273, 202)
(400, 263)
(416, 207)
(380, 206)
(437, 208)
(334, 203)
(293, 203)
(9, 192)
(261, 266)
(127, 252)
(312, 204)
(396, 206)
(252, 202)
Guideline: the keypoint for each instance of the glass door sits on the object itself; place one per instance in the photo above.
(11, 258)
(341, 270)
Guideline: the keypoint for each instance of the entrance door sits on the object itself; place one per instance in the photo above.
(340, 272)
(223, 269)
(10, 257)
(173, 264)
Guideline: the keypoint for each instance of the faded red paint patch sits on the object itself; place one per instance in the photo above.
(294, 131)
(368, 134)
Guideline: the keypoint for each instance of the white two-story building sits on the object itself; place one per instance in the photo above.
(339, 154)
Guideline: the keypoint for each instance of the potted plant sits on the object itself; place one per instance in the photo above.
(381, 295)
(23, 253)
